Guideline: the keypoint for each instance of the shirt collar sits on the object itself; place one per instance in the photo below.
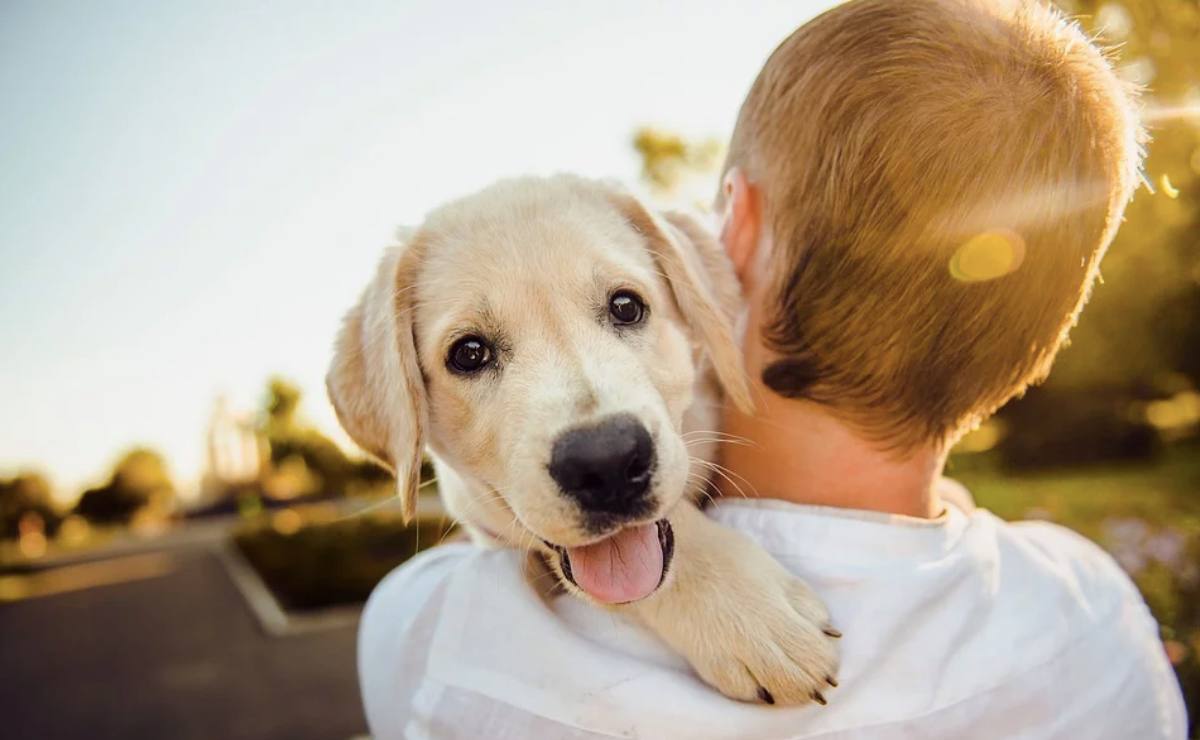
(785, 528)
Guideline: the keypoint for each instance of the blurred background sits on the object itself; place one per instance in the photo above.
(192, 194)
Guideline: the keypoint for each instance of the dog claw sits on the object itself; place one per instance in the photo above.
(818, 698)
(831, 632)
(765, 695)
(831, 681)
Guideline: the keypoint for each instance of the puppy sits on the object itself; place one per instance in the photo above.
(561, 351)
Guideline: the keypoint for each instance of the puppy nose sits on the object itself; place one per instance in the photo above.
(607, 467)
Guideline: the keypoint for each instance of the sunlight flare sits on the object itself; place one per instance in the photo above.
(1161, 113)
(987, 256)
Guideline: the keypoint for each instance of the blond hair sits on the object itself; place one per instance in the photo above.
(940, 181)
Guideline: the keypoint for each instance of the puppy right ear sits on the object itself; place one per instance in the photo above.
(690, 259)
(375, 381)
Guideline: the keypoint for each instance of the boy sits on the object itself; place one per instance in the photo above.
(916, 200)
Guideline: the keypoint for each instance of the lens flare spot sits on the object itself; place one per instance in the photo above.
(987, 256)
(287, 522)
(1168, 189)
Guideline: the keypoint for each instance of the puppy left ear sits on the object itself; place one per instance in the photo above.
(703, 284)
(375, 381)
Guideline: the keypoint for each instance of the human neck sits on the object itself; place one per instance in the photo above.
(797, 451)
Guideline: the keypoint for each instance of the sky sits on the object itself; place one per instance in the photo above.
(192, 194)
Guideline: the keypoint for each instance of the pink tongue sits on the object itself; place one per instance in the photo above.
(625, 567)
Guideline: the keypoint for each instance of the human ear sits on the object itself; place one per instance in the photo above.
(741, 223)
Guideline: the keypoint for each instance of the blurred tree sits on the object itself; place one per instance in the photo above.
(1135, 332)
(304, 461)
(27, 493)
(671, 163)
(282, 400)
(139, 480)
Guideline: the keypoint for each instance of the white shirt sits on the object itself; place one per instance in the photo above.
(961, 627)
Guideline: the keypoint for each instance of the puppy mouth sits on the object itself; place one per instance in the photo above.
(626, 566)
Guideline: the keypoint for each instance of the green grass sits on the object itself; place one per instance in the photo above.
(1165, 492)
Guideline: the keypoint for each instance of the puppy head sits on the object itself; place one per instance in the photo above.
(542, 337)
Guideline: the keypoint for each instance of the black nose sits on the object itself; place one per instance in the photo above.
(606, 467)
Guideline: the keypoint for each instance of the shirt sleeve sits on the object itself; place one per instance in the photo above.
(400, 629)
(394, 632)
(1138, 684)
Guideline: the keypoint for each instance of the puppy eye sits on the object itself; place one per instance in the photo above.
(626, 308)
(469, 355)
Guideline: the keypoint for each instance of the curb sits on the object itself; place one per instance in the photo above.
(272, 618)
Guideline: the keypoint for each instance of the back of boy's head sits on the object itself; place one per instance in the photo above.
(941, 179)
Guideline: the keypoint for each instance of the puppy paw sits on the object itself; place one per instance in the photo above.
(747, 626)
(770, 641)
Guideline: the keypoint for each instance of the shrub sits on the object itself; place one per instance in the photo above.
(330, 563)
(27, 493)
(139, 480)
(1063, 428)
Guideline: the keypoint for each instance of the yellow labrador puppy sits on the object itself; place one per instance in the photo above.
(561, 352)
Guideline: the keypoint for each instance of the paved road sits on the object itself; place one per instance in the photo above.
(174, 654)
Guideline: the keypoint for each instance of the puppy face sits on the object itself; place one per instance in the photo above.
(542, 337)
(557, 367)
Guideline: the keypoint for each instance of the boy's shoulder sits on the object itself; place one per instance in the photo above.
(1056, 554)
(1045, 549)
(1108, 639)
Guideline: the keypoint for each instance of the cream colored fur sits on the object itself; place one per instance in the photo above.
(530, 264)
